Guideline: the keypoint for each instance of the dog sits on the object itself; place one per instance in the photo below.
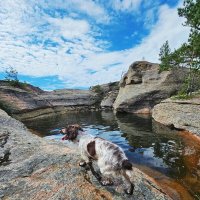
(110, 158)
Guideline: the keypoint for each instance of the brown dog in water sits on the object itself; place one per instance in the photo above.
(110, 158)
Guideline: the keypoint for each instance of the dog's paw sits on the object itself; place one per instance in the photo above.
(129, 191)
(82, 164)
(106, 182)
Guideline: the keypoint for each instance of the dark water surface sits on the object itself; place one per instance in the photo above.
(145, 142)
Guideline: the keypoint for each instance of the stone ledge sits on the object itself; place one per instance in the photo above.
(44, 169)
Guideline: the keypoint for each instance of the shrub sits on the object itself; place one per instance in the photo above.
(97, 89)
(5, 107)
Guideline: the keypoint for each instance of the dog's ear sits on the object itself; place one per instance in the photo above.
(78, 127)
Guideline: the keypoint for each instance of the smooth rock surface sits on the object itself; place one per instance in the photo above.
(109, 99)
(30, 102)
(17, 100)
(143, 86)
(112, 86)
(108, 93)
(182, 114)
(42, 169)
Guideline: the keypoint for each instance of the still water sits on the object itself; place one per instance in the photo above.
(153, 148)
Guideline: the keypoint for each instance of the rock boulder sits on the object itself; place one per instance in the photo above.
(181, 114)
(144, 86)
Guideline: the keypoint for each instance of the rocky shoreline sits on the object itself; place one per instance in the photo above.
(36, 168)
(179, 114)
(142, 90)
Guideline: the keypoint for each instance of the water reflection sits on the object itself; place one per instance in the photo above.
(152, 145)
(145, 142)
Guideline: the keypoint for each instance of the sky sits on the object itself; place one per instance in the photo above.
(57, 44)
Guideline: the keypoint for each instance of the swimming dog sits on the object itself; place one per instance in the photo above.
(110, 158)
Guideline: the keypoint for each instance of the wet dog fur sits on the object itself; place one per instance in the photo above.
(110, 158)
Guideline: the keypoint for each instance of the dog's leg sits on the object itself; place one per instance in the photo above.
(102, 180)
(106, 180)
(97, 175)
(85, 158)
(129, 186)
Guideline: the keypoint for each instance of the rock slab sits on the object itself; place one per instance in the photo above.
(182, 114)
(38, 168)
(29, 102)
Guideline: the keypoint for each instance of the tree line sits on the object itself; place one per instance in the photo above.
(188, 54)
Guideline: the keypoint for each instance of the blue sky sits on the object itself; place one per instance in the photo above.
(79, 43)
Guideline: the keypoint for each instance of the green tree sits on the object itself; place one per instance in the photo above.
(11, 74)
(188, 55)
(191, 12)
(191, 52)
(165, 56)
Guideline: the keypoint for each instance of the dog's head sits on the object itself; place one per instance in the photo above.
(71, 132)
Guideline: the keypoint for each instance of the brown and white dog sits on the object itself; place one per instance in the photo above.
(110, 158)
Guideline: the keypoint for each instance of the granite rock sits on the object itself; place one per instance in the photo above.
(181, 114)
(38, 168)
(144, 86)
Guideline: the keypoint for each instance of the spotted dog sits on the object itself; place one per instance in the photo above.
(110, 158)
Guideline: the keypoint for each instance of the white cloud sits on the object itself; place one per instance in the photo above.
(125, 5)
(169, 27)
(84, 50)
(70, 28)
(88, 7)
(12, 15)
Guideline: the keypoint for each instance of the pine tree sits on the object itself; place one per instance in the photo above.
(165, 57)
(188, 55)
(11, 75)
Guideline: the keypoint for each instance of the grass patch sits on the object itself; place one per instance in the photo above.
(184, 96)
(97, 89)
(17, 84)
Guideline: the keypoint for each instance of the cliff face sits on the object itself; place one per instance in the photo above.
(36, 168)
(143, 86)
(110, 92)
(18, 101)
(15, 100)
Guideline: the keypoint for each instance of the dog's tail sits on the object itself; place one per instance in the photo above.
(127, 165)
